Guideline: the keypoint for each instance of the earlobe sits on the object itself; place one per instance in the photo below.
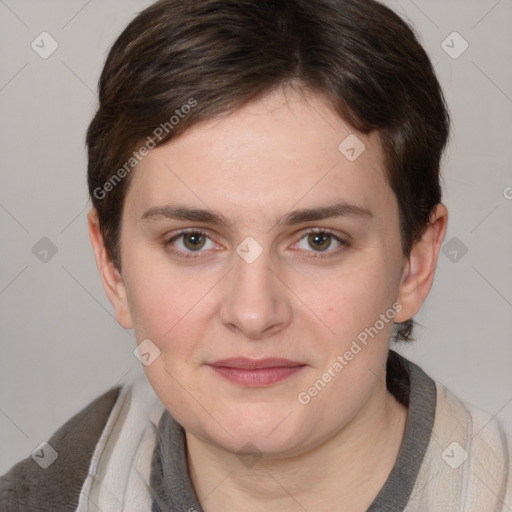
(419, 270)
(110, 276)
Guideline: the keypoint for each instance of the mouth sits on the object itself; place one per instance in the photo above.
(256, 372)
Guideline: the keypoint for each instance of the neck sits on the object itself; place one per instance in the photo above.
(346, 472)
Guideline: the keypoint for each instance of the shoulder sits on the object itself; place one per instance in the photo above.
(468, 459)
(28, 486)
(484, 433)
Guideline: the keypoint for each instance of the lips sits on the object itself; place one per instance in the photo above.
(246, 363)
(256, 372)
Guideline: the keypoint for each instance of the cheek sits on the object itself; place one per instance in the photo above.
(354, 298)
(167, 308)
(163, 300)
(353, 358)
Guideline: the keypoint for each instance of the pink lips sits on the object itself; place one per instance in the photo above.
(256, 372)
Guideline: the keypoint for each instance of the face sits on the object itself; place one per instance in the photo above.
(254, 239)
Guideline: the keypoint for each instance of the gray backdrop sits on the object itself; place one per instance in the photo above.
(60, 344)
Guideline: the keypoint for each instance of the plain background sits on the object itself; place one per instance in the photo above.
(60, 344)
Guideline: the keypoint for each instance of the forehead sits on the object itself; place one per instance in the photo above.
(287, 150)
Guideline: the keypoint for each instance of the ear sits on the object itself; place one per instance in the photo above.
(110, 276)
(419, 269)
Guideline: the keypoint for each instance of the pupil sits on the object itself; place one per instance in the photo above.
(194, 240)
(320, 239)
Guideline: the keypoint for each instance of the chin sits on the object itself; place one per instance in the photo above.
(259, 444)
(265, 429)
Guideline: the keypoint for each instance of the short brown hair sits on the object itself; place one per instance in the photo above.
(217, 55)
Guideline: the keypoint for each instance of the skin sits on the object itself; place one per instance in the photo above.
(266, 159)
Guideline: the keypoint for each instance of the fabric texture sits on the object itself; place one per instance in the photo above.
(27, 487)
(171, 488)
(119, 472)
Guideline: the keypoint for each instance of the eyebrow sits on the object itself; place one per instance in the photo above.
(177, 212)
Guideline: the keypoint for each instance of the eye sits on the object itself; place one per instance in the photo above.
(320, 241)
(189, 242)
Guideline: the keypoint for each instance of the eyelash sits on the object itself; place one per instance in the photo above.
(192, 255)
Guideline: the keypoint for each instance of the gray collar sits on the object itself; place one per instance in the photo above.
(412, 387)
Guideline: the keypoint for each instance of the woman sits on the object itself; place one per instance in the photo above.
(267, 216)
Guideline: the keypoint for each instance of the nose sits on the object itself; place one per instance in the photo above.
(256, 302)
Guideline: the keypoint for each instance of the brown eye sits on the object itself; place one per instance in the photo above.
(194, 241)
(189, 244)
(319, 241)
